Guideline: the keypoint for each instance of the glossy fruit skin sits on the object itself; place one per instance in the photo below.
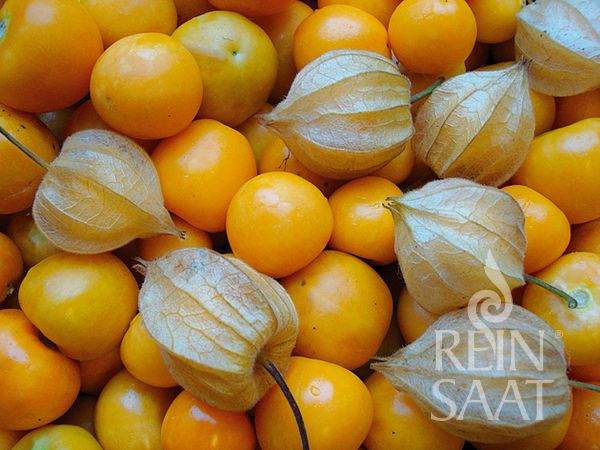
(129, 413)
(544, 109)
(335, 27)
(257, 134)
(81, 413)
(237, 61)
(399, 168)
(141, 356)
(345, 309)
(381, 9)
(11, 265)
(549, 439)
(578, 274)
(117, 18)
(586, 238)
(278, 223)
(66, 295)
(19, 175)
(48, 381)
(252, 8)
(584, 429)
(85, 117)
(277, 157)
(398, 422)
(546, 227)
(157, 246)
(190, 421)
(58, 437)
(496, 19)
(281, 29)
(95, 373)
(188, 9)
(577, 107)
(362, 225)
(147, 86)
(585, 373)
(40, 68)
(200, 170)
(336, 407)
(418, 26)
(563, 165)
(413, 319)
(32, 244)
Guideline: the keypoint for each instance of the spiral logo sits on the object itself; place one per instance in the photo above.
(486, 305)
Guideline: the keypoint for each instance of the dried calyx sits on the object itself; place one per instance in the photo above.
(101, 192)
(561, 38)
(478, 125)
(346, 115)
(486, 378)
(224, 329)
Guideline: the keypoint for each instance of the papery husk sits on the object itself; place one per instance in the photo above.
(414, 370)
(443, 233)
(562, 39)
(217, 321)
(100, 193)
(346, 115)
(478, 125)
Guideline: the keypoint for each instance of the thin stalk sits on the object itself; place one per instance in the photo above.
(582, 385)
(571, 301)
(425, 92)
(39, 161)
(276, 374)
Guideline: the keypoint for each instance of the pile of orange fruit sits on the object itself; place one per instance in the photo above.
(186, 79)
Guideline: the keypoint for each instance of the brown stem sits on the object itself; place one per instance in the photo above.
(39, 161)
(276, 374)
(582, 385)
(571, 301)
(425, 92)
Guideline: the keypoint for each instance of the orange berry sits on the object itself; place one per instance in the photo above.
(586, 238)
(278, 223)
(584, 428)
(11, 265)
(544, 109)
(252, 8)
(95, 373)
(381, 9)
(399, 168)
(147, 86)
(157, 246)
(413, 319)
(200, 170)
(336, 27)
(362, 225)
(496, 19)
(418, 28)
(577, 107)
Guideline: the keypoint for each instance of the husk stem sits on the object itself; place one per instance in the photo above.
(571, 301)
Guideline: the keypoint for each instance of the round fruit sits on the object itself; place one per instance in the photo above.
(544, 223)
(141, 356)
(399, 168)
(95, 373)
(19, 175)
(336, 407)
(413, 319)
(577, 107)
(544, 109)
(157, 246)
(11, 265)
(33, 245)
(381, 9)
(563, 165)
(584, 429)
(336, 27)
(48, 49)
(252, 8)
(578, 274)
(496, 19)
(190, 421)
(257, 134)
(67, 295)
(398, 422)
(237, 61)
(58, 437)
(146, 86)
(129, 413)
(586, 238)
(418, 27)
(119, 18)
(201, 169)
(278, 223)
(344, 306)
(362, 225)
(38, 384)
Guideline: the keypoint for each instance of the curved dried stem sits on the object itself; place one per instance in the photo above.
(582, 385)
(571, 301)
(39, 161)
(274, 372)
